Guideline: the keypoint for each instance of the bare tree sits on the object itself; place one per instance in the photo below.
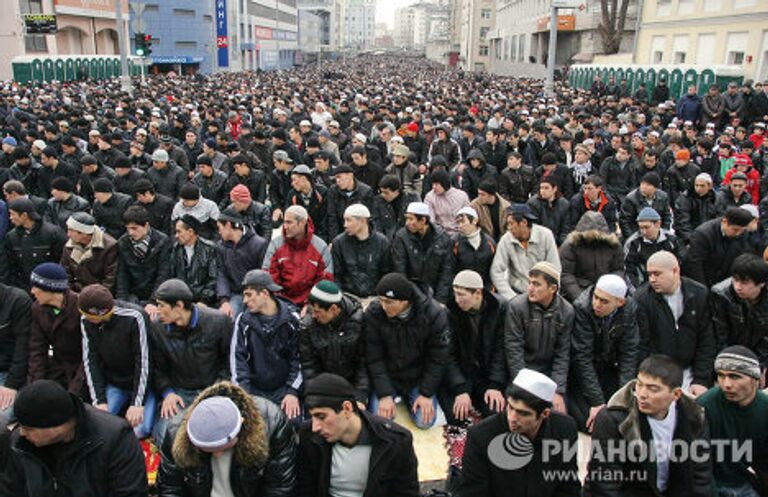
(611, 27)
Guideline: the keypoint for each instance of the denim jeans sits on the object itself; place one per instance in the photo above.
(117, 401)
(163, 425)
(5, 414)
(745, 490)
(416, 417)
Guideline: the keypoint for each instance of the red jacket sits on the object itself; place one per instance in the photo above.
(297, 265)
(753, 182)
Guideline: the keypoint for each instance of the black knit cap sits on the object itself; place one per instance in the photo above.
(43, 404)
(103, 185)
(395, 286)
(328, 390)
(440, 176)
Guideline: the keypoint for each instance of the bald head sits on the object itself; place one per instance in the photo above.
(663, 260)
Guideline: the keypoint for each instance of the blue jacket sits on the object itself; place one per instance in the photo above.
(265, 361)
(689, 108)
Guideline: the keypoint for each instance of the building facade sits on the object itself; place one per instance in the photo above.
(519, 43)
(183, 37)
(359, 24)
(83, 27)
(476, 19)
(732, 33)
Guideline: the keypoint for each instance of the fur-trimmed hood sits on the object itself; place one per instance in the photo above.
(592, 229)
(624, 399)
(252, 448)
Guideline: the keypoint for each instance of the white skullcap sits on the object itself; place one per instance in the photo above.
(536, 384)
(361, 137)
(613, 285)
(704, 177)
(467, 211)
(752, 209)
(418, 208)
(39, 144)
(468, 279)
(357, 210)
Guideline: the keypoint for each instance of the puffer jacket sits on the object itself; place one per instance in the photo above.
(194, 357)
(539, 338)
(109, 215)
(407, 352)
(358, 265)
(604, 352)
(58, 212)
(621, 421)
(388, 217)
(426, 261)
(263, 460)
(200, 273)
(26, 249)
(689, 340)
(337, 347)
(739, 323)
(338, 201)
(96, 263)
(591, 251)
(516, 185)
(297, 265)
(634, 202)
(234, 260)
(465, 256)
(15, 316)
(265, 360)
(169, 180)
(477, 363)
(554, 215)
(137, 279)
(691, 211)
(104, 458)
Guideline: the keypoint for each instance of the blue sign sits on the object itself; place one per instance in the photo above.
(175, 59)
(221, 33)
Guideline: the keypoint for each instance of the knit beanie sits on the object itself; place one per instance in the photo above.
(395, 286)
(173, 290)
(328, 390)
(214, 422)
(325, 292)
(50, 277)
(43, 404)
(103, 185)
(739, 359)
(240, 193)
(440, 176)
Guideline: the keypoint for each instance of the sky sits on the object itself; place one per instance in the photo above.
(385, 10)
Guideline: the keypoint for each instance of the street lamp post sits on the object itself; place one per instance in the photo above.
(125, 78)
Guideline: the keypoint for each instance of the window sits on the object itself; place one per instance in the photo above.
(713, 5)
(151, 7)
(663, 8)
(485, 13)
(484, 33)
(513, 49)
(521, 48)
(685, 7)
(184, 12)
(33, 43)
(735, 48)
(743, 4)
(705, 49)
(657, 49)
(679, 49)
(483, 50)
(500, 47)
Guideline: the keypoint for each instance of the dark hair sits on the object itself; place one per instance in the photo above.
(390, 182)
(706, 144)
(538, 405)
(664, 368)
(750, 267)
(550, 181)
(540, 129)
(627, 148)
(136, 214)
(594, 179)
(488, 185)
(548, 158)
(14, 186)
(677, 140)
(515, 154)
(360, 151)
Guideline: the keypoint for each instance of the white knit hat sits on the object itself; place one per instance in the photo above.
(418, 208)
(357, 210)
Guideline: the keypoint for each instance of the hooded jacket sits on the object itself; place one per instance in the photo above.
(589, 252)
(263, 462)
(265, 359)
(337, 347)
(104, 458)
(407, 351)
(297, 265)
(605, 206)
(622, 420)
(471, 177)
(427, 261)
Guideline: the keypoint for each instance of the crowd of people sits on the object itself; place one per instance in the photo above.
(251, 271)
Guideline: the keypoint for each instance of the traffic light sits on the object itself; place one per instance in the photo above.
(143, 43)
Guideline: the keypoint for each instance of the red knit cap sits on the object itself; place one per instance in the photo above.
(240, 193)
